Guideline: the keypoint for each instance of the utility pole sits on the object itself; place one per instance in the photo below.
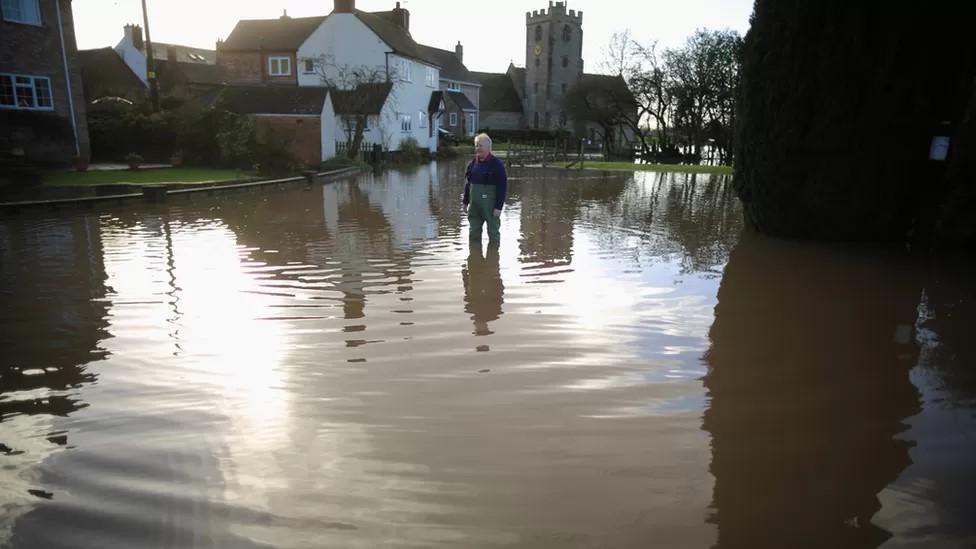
(150, 65)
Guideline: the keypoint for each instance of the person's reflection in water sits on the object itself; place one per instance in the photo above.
(483, 287)
(809, 390)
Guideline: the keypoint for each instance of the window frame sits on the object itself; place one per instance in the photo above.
(431, 77)
(452, 120)
(36, 12)
(422, 116)
(308, 66)
(279, 58)
(406, 123)
(406, 70)
(471, 123)
(35, 104)
(454, 86)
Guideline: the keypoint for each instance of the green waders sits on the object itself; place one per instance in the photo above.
(481, 210)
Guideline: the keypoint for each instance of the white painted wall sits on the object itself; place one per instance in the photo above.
(351, 43)
(328, 127)
(133, 57)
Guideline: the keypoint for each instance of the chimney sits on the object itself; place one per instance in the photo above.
(170, 53)
(459, 52)
(344, 6)
(134, 34)
(284, 15)
(401, 17)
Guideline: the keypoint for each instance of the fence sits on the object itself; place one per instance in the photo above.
(565, 153)
(370, 153)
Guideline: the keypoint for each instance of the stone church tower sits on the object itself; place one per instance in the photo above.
(553, 63)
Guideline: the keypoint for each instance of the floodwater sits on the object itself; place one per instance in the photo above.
(334, 366)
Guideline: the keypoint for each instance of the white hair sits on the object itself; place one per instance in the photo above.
(483, 137)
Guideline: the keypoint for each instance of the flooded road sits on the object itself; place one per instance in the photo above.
(335, 366)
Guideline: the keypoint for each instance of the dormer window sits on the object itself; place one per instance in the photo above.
(279, 66)
(454, 86)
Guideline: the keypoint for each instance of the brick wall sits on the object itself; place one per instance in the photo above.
(241, 66)
(253, 66)
(44, 136)
(301, 137)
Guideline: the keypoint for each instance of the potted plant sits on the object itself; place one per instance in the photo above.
(134, 159)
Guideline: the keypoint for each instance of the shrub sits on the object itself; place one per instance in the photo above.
(409, 151)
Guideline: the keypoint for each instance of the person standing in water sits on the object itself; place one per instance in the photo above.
(485, 191)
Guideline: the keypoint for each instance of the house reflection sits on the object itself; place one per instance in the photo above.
(52, 279)
(808, 377)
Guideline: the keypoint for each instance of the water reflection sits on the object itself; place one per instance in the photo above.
(296, 368)
(808, 377)
(53, 323)
(484, 289)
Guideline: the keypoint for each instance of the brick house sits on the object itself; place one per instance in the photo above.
(42, 100)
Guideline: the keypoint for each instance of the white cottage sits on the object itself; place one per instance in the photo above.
(320, 51)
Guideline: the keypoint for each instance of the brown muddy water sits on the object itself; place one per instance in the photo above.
(334, 366)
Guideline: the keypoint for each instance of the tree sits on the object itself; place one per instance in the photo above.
(360, 84)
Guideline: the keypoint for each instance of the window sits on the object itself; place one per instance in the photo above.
(536, 121)
(405, 70)
(562, 118)
(567, 34)
(538, 33)
(535, 87)
(537, 61)
(20, 91)
(564, 88)
(471, 124)
(565, 61)
(454, 86)
(453, 119)
(422, 116)
(406, 123)
(309, 66)
(431, 77)
(22, 11)
(279, 66)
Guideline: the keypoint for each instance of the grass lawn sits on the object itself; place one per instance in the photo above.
(145, 177)
(629, 166)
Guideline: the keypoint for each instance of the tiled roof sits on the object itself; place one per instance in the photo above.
(451, 68)
(395, 36)
(616, 85)
(366, 98)
(497, 92)
(184, 54)
(461, 101)
(273, 99)
(280, 34)
(195, 73)
(103, 73)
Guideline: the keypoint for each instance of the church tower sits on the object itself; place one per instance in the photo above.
(553, 63)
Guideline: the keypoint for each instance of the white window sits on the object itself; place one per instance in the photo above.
(22, 11)
(405, 70)
(406, 123)
(471, 124)
(309, 66)
(20, 91)
(431, 77)
(279, 66)
(422, 116)
(453, 119)
(454, 86)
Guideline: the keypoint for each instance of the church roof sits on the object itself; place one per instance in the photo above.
(497, 92)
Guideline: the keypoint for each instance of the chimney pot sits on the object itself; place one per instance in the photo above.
(344, 6)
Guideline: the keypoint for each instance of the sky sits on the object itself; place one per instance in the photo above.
(492, 32)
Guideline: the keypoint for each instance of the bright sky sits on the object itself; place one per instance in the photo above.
(492, 32)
